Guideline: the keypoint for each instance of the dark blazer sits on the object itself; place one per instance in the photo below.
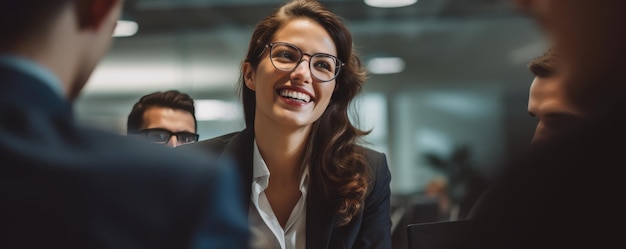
(63, 186)
(567, 192)
(370, 229)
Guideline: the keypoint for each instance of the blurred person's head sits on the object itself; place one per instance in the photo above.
(68, 37)
(438, 187)
(301, 73)
(590, 37)
(547, 100)
(164, 117)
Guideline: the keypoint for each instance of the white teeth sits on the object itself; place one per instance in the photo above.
(295, 95)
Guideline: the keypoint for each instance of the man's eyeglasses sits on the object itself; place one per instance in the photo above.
(162, 136)
(286, 57)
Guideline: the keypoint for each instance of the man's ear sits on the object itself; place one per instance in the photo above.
(248, 76)
(93, 13)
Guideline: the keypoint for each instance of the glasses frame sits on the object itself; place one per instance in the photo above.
(271, 45)
(177, 134)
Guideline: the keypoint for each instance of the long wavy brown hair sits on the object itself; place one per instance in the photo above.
(339, 168)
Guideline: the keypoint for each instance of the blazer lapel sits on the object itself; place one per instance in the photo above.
(240, 149)
(320, 220)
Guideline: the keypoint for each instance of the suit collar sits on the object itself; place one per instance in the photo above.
(29, 92)
(320, 219)
(240, 149)
(37, 71)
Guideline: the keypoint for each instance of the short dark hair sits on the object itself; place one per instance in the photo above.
(18, 18)
(169, 99)
(544, 65)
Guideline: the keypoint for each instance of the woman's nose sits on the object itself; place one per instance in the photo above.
(302, 71)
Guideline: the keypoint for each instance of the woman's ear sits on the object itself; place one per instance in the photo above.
(248, 76)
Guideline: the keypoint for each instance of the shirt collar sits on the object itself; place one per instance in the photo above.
(261, 173)
(32, 68)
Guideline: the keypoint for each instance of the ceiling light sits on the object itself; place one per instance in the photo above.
(385, 65)
(528, 52)
(390, 3)
(125, 28)
(213, 109)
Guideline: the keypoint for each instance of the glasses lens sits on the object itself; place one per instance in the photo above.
(285, 57)
(324, 67)
(185, 137)
(158, 136)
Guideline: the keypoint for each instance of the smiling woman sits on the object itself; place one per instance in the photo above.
(297, 82)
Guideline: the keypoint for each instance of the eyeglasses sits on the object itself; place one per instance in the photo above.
(162, 136)
(286, 57)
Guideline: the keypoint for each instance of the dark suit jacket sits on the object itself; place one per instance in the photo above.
(63, 186)
(370, 229)
(567, 192)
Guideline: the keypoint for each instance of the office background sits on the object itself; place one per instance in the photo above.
(447, 77)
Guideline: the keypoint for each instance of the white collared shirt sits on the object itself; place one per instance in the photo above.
(267, 233)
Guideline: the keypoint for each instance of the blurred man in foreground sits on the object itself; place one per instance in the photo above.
(567, 192)
(63, 186)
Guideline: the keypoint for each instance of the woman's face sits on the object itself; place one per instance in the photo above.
(292, 98)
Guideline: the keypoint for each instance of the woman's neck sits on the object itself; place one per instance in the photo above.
(282, 148)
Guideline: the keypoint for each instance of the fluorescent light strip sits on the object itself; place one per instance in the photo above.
(390, 3)
(385, 65)
(125, 28)
(211, 109)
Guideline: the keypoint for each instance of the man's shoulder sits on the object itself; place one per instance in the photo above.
(118, 149)
(215, 144)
